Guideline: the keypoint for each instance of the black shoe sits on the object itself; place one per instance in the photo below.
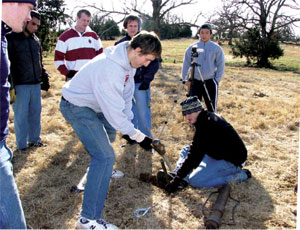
(161, 178)
(249, 175)
(37, 144)
(22, 150)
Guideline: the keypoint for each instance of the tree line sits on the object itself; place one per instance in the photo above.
(253, 29)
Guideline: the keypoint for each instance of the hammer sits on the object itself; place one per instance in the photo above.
(160, 148)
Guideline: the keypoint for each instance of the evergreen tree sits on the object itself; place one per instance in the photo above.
(107, 29)
(257, 50)
(52, 14)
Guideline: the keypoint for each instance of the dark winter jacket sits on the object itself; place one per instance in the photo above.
(4, 87)
(25, 56)
(143, 74)
(123, 39)
(215, 137)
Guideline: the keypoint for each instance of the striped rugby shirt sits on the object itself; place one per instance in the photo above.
(74, 49)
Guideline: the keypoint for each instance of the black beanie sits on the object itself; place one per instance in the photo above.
(33, 2)
(191, 105)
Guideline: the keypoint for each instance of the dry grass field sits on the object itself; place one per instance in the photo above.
(264, 107)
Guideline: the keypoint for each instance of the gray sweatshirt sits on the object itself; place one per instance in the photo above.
(105, 84)
(211, 60)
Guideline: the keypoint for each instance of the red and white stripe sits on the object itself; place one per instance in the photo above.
(74, 49)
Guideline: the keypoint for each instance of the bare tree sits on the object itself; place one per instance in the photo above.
(225, 21)
(268, 17)
(161, 10)
(267, 14)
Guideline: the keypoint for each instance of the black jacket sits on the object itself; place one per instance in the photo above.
(215, 137)
(25, 57)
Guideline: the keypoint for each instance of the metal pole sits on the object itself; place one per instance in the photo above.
(214, 219)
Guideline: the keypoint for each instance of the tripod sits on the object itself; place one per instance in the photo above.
(191, 73)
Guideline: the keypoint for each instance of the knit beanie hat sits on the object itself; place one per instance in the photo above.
(190, 105)
(33, 2)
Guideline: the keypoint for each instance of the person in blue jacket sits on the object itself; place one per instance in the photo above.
(144, 75)
(15, 14)
(211, 61)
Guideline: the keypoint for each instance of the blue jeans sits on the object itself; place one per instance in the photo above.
(96, 134)
(27, 114)
(141, 110)
(11, 211)
(211, 172)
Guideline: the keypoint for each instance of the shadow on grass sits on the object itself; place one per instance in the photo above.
(129, 193)
(48, 203)
(253, 200)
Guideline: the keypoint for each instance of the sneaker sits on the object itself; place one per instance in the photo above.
(84, 223)
(161, 178)
(37, 144)
(117, 174)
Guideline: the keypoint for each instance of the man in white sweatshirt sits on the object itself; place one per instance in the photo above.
(97, 102)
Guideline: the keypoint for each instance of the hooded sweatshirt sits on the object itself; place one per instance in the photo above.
(105, 84)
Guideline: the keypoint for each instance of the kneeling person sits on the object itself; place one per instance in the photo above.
(216, 154)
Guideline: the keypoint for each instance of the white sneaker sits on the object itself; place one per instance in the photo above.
(117, 174)
(84, 223)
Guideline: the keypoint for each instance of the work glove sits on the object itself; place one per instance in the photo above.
(146, 143)
(45, 84)
(144, 86)
(173, 186)
(129, 141)
(71, 73)
(12, 94)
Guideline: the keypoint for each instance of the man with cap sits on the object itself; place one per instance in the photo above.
(28, 76)
(15, 14)
(215, 156)
(211, 63)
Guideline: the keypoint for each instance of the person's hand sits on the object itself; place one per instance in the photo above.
(146, 143)
(187, 83)
(144, 86)
(129, 141)
(12, 94)
(173, 186)
(71, 73)
(45, 84)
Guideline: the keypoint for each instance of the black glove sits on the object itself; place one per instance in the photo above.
(144, 86)
(129, 141)
(146, 143)
(45, 84)
(71, 73)
(45, 81)
(173, 186)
